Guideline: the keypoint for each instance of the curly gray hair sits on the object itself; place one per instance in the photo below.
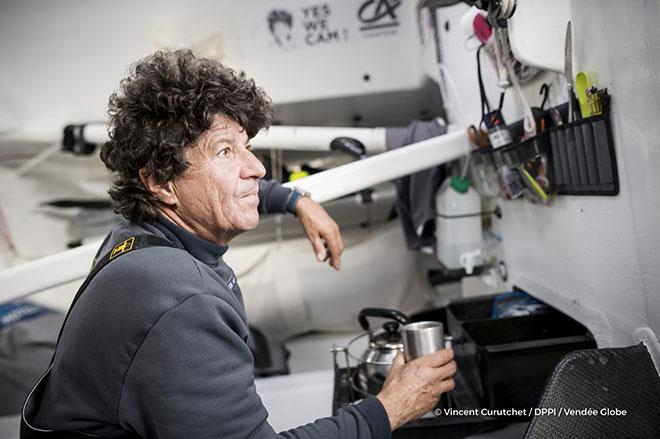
(168, 100)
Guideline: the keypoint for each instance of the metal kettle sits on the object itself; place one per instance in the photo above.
(384, 345)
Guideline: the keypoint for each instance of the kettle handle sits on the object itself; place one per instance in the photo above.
(381, 312)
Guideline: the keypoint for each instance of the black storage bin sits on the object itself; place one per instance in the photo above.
(584, 161)
(468, 310)
(576, 158)
(474, 308)
(458, 313)
(465, 310)
(531, 160)
(516, 355)
(506, 361)
(433, 314)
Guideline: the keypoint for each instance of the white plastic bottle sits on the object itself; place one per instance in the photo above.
(458, 224)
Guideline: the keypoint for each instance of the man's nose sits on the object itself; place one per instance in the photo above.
(252, 167)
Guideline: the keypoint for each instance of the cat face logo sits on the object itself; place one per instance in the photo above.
(122, 247)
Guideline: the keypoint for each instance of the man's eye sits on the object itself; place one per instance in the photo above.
(224, 151)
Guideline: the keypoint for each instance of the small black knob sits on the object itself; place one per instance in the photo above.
(392, 328)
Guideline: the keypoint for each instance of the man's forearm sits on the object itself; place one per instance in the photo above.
(275, 198)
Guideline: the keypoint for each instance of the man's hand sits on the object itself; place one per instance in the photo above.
(412, 389)
(322, 231)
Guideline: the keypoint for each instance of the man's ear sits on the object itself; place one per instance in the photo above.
(163, 192)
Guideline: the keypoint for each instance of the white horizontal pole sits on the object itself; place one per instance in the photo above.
(67, 266)
(95, 133)
(358, 175)
(290, 138)
(47, 272)
(317, 138)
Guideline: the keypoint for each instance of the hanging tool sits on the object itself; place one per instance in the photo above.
(573, 110)
(529, 124)
(544, 91)
(508, 76)
(598, 100)
(568, 69)
(501, 53)
(499, 133)
(551, 112)
(582, 84)
(548, 117)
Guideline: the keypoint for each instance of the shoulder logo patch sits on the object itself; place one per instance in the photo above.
(122, 247)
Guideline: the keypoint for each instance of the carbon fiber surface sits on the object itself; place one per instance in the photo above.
(601, 379)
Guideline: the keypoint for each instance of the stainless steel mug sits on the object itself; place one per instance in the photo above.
(422, 338)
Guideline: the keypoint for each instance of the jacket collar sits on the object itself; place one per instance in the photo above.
(206, 251)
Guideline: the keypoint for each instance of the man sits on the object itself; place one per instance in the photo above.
(157, 346)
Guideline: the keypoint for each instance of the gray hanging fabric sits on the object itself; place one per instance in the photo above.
(415, 192)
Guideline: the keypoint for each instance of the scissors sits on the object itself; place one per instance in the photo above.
(552, 112)
(478, 137)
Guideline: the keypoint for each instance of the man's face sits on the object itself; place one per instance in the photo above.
(218, 193)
